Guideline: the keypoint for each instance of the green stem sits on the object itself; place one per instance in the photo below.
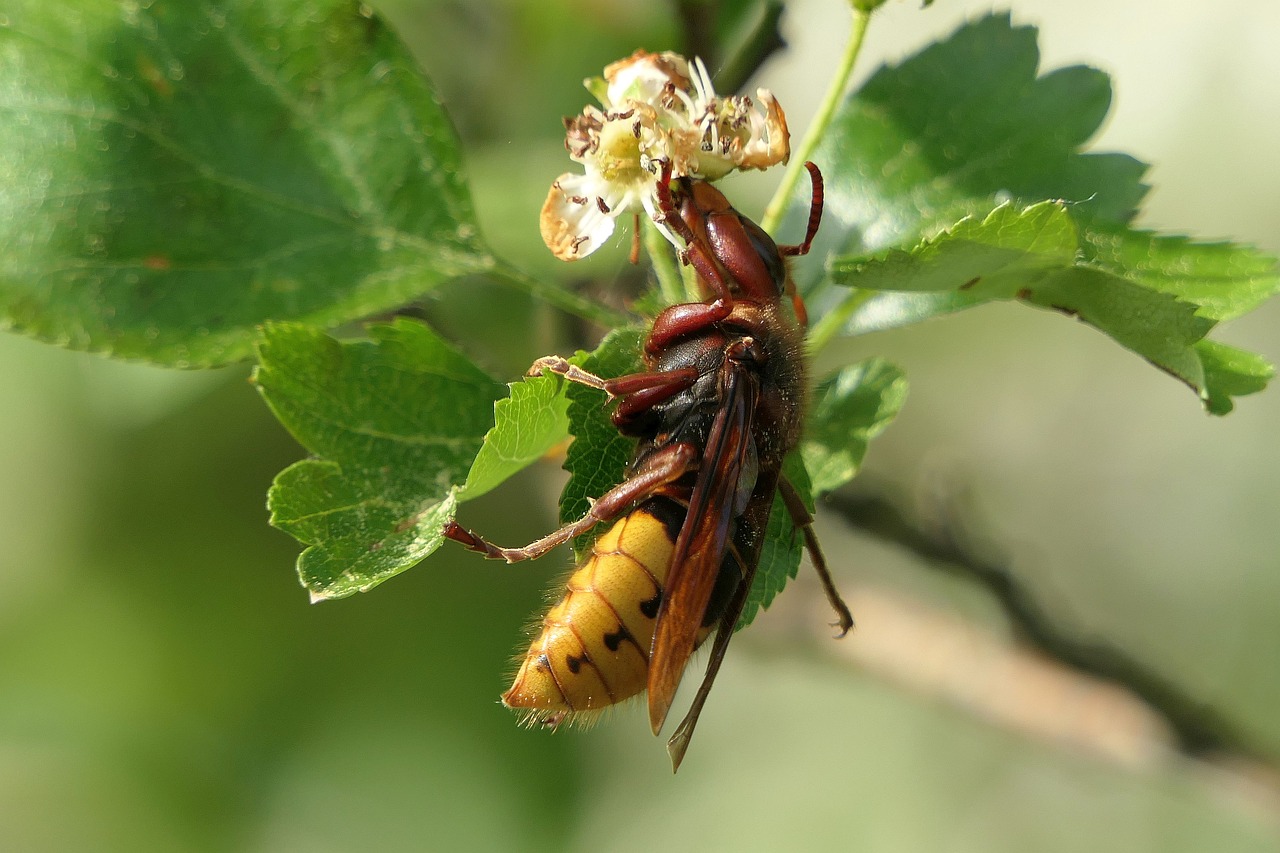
(664, 263)
(834, 320)
(571, 303)
(826, 111)
(693, 287)
(762, 43)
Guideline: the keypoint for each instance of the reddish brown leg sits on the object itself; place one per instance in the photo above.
(815, 214)
(561, 367)
(680, 321)
(668, 214)
(639, 392)
(815, 218)
(661, 469)
(668, 381)
(802, 519)
(634, 406)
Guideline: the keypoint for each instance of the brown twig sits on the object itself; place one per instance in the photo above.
(697, 26)
(763, 41)
(1199, 728)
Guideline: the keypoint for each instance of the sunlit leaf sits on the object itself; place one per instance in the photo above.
(396, 421)
(527, 424)
(1140, 290)
(176, 174)
(852, 406)
(959, 128)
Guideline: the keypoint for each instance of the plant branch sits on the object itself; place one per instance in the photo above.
(570, 303)
(1199, 728)
(764, 40)
(830, 323)
(697, 18)
(663, 259)
(818, 127)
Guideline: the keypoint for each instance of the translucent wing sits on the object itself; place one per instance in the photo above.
(701, 545)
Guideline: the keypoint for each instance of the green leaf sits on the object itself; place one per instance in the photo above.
(598, 456)
(1230, 372)
(527, 424)
(1224, 280)
(398, 421)
(1156, 326)
(177, 174)
(962, 126)
(782, 548)
(955, 131)
(852, 406)
(1012, 247)
(953, 152)
(1142, 291)
(361, 526)
(990, 258)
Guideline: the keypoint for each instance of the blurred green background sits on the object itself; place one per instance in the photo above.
(165, 685)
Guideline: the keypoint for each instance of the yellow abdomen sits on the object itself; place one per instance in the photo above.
(593, 650)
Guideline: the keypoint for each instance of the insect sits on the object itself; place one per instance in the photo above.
(716, 410)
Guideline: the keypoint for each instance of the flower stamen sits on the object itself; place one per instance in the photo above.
(655, 109)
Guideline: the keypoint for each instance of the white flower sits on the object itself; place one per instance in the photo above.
(657, 109)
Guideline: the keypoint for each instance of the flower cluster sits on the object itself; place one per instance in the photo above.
(656, 108)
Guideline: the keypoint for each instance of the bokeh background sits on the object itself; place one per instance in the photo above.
(164, 684)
